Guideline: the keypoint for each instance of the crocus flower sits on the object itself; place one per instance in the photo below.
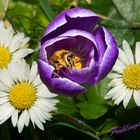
(73, 51)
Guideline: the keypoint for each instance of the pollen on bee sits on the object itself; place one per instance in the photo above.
(64, 58)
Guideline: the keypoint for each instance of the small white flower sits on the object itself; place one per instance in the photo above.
(12, 46)
(125, 77)
(23, 96)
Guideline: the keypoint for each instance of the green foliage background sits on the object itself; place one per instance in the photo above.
(88, 116)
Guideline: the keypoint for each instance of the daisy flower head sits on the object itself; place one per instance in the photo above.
(125, 78)
(12, 45)
(23, 97)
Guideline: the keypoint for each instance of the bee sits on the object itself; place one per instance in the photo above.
(64, 58)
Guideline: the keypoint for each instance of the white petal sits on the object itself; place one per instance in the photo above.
(127, 97)
(3, 94)
(136, 96)
(6, 115)
(3, 100)
(118, 68)
(20, 123)
(21, 54)
(45, 114)
(124, 92)
(26, 73)
(113, 91)
(128, 52)
(20, 70)
(117, 95)
(5, 78)
(7, 36)
(123, 58)
(37, 112)
(16, 42)
(137, 53)
(26, 118)
(33, 72)
(49, 105)
(115, 82)
(42, 105)
(4, 107)
(114, 75)
(120, 64)
(25, 40)
(36, 120)
(43, 91)
(14, 117)
(37, 81)
(3, 87)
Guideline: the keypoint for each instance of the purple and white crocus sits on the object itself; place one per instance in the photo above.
(93, 52)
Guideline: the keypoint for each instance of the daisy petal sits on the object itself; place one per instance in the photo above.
(21, 54)
(3, 94)
(36, 120)
(20, 123)
(123, 58)
(14, 118)
(26, 118)
(33, 72)
(113, 75)
(118, 100)
(137, 53)
(127, 98)
(16, 42)
(136, 96)
(5, 78)
(113, 91)
(6, 115)
(128, 52)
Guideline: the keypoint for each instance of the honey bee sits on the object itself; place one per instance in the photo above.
(64, 58)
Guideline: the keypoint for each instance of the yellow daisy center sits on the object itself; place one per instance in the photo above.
(22, 95)
(131, 76)
(5, 56)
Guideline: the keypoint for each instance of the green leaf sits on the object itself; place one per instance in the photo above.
(121, 34)
(128, 9)
(73, 127)
(94, 106)
(66, 105)
(45, 6)
(106, 137)
(74, 123)
(107, 126)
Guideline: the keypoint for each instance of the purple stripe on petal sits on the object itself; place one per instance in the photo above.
(111, 53)
(58, 85)
(75, 18)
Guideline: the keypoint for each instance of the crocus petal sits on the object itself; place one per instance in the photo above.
(108, 50)
(75, 18)
(77, 41)
(58, 85)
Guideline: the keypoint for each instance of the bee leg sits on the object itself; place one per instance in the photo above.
(55, 74)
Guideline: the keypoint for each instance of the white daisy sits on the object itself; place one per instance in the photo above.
(24, 97)
(125, 77)
(12, 46)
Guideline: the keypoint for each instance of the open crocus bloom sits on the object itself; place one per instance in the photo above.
(74, 52)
